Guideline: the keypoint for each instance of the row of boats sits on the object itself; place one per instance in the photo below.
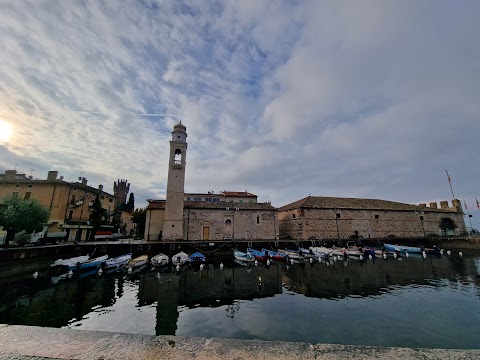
(104, 262)
(319, 252)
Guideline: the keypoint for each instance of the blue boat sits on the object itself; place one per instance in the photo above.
(259, 255)
(275, 255)
(92, 263)
(402, 249)
(117, 262)
(197, 257)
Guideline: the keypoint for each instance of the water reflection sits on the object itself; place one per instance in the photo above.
(193, 302)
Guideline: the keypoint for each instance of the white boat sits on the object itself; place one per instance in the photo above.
(159, 260)
(180, 258)
(242, 256)
(117, 262)
(138, 261)
(321, 251)
(292, 254)
(65, 263)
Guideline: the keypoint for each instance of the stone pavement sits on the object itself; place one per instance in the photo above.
(29, 342)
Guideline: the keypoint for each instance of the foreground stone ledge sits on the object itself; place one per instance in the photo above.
(30, 342)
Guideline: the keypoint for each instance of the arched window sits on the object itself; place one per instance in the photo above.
(228, 222)
(178, 156)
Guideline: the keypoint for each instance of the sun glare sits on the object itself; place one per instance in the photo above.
(5, 131)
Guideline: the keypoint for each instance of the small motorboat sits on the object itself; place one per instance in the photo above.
(259, 255)
(62, 265)
(243, 256)
(91, 263)
(292, 254)
(180, 258)
(159, 260)
(138, 261)
(117, 262)
(402, 249)
(275, 255)
(197, 257)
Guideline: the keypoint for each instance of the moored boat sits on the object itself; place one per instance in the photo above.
(243, 256)
(292, 254)
(160, 260)
(117, 262)
(402, 249)
(91, 263)
(197, 257)
(275, 255)
(259, 255)
(180, 258)
(63, 264)
(138, 261)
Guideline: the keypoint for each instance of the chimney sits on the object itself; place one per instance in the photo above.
(9, 175)
(422, 205)
(443, 204)
(100, 187)
(84, 181)
(433, 205)
(52, 175)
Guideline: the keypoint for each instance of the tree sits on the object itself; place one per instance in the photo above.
(21, 214)
(139, 217)
(130, 205)
(99, 216)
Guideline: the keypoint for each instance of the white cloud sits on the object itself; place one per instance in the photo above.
(371, 99)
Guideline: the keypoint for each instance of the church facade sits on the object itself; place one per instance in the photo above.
(229, 215)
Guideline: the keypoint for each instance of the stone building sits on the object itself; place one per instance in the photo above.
(70, 203)
(228, 215)
(316, 217)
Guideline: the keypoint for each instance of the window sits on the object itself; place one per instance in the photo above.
(376, 216)
(197, 199)
(208, 199)
(189, 199)
(102, 197)
(70, 214)
(177, 156)
(17, 185)
(74, 189)
(110, 200)
(293, 215)
(228, 222)
(29, 186)
(72, 200)
(258, 219)
(27, 195)
(338, 216)
(421, 217)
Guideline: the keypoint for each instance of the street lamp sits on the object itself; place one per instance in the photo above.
(337, 215)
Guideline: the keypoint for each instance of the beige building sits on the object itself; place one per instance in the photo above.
(228, 215)
(315, 218)
(70, 203)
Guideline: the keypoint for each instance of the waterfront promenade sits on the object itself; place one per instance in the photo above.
(29, 342)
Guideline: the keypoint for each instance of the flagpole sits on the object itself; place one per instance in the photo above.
(450, 183)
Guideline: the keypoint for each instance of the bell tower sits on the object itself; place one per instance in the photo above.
(173, 224)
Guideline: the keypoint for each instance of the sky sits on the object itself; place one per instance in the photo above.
(285, 99)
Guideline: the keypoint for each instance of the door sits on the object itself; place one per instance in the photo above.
(206, 233)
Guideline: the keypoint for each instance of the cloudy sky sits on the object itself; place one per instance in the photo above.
(371, 99)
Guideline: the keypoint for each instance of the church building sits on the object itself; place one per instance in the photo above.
(228, 215)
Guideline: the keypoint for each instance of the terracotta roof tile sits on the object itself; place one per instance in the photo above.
(239, 193)
(224, 205)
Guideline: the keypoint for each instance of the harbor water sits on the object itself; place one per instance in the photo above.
(405, 302)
